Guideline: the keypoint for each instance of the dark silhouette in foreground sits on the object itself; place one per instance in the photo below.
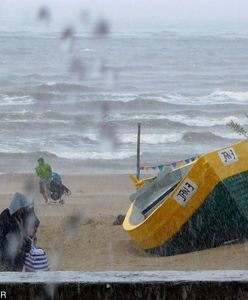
(15, 223)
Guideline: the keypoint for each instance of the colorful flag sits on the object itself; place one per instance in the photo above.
(174, 165)
(161, 167)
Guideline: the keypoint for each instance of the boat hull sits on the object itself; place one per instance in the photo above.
(208, 208)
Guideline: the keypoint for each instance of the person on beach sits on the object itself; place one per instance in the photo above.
(15, 224)
(44, 171)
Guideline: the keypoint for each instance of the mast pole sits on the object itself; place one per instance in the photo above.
(138, 151)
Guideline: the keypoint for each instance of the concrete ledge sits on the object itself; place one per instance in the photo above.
(227, 284)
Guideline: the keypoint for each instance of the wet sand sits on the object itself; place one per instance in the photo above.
(80, 235)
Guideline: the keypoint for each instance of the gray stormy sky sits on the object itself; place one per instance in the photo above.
(130, 13)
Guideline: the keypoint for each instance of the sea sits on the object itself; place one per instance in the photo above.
(81, 97)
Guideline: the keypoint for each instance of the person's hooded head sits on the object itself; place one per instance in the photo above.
(23, 208)
(20, 201)
(41, 160)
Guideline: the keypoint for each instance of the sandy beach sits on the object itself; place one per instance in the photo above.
(80, 234)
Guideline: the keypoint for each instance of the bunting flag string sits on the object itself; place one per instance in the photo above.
(172, 165)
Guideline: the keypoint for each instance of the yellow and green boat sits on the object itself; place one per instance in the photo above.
(201, 205)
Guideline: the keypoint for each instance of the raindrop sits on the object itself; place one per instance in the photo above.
(108, 137)
(78, 68)
(105, 111)
(102, 28)
(54, 259)
(30, 188)
(85, 17)
(73, 225)
(51, 289)
(68, 33)
(109, 74)
(74, 222)
(44, 14)
(13, 244)
(103, 68)
(67, 37)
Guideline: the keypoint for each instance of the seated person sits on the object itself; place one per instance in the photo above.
(15, 223)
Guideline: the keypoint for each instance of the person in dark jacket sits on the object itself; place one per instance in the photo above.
(15, 223)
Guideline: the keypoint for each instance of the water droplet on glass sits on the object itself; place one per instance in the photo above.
(44, 14)
(102, 28)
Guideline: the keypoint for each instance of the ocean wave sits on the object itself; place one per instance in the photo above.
(76, 139)
(125, 104)
(158, 104)
(6, 100)
(206, 121)
(30, 117)
(26, 154)
(207, 137)
(236, 96)
(157, 124)
(114, 97)
(91, 148)
(5, 82)
(80, 155)
(177, 137)
(150, 138)
(216, 97)
(176, 120)
(136, 117)
(49, 117)
(224, 97)
(32, 122)
(56, 93)
(32, 79)
(220, 97)
(149, 113)
(63, 87)
(13, 116)
(93, 155)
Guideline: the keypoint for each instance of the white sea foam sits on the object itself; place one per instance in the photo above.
(50, 83)
(89, 50)
(29, 122)
(93, 154)
(39, 121)
(122, 97)
(198, 121)
(206, 121)
(6, 100)
(142, 116)
(232, 135)
(216, 97)
(151, 138)
(237, 96)
(219, 97)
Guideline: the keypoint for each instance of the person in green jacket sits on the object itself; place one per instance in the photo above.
(44, 171)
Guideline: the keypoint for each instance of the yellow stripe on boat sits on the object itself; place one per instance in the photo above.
(191, 192)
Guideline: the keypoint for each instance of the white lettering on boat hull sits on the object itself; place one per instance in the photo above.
(185, 191)
(228, 156)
